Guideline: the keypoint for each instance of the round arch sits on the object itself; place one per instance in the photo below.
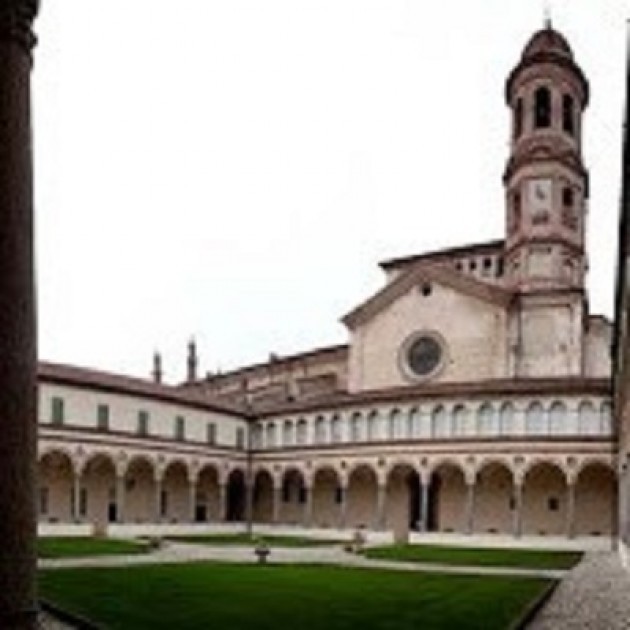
(447, 496)
(292, 495)
(361, 495)
(595, 490)
(402, 502)
(327, 496)
(207, 493)
(263, 495)
(494, 498)
(175, 493)
(55, 486)
(140, 489)
(97, 494)
(544, 498)
(236, 490)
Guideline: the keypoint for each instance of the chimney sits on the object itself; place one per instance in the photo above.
(157, 368)
(192, 361)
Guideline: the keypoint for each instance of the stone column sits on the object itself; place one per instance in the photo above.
(308, 506)
(470, 507)
(193, 500)
(158, 499)
(223, 498)
(18, 354)
(423, 491)
(343, 507)
(276, 503)
(381, 497)
(570, 524)
(517, 526)
(120, 498)
(76, 490)
(249, 504)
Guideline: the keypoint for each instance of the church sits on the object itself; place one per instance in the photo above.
(474, 394)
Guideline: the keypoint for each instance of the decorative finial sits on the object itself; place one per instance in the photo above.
(157, 367)
(192, 361)
(547, 11)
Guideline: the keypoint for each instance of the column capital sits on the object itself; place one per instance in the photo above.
(16, 21)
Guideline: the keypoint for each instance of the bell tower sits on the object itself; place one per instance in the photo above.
(546, 189)
(546, 182)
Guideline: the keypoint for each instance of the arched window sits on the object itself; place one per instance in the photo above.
(516, 210)
(587, 419)
(355, 427)
(542, 108)
(568, 114)
(393, 427)
(460, 420)
(320, 430)
(486, 420)
(335, 429)
(271, 435)
(439, 422)
(606, 418)
(257, 436)
(372, 426)
(535, 419)
(558, 419)
(506, 419)
(302, 431)
(412, 423)
(518, 118)
(287, 433)
(568, 197)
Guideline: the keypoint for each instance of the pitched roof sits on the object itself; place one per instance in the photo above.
(417, 393)
(324, 353)
(426, 272)
(489, 247)
(117, 384)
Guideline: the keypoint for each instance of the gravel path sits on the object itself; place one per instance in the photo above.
(333, 555)
(594, 596)
(46, 622)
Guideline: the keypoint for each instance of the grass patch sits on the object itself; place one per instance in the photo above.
(437, 554)
(252, 539)
(85, 547)
(243, 597)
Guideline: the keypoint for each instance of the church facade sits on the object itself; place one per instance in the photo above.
(474, 394)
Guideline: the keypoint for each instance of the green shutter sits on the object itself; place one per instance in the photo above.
(143, 423)
(57, 411)
(103, 417)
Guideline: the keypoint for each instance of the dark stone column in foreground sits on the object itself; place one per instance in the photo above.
(17, 320)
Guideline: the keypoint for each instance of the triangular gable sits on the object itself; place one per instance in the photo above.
(426, 272)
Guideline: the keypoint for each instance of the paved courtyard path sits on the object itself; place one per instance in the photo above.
(330, 555)
(48, 622)
(595, 595)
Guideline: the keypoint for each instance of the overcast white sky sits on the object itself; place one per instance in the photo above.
(234, 170)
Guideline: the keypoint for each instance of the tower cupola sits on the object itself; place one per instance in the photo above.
(545, 179)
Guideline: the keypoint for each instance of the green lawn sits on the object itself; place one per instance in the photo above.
(81, 547)
(527, 558)
(247, 539)
(240, 597)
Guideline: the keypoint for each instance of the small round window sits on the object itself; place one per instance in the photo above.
(424, 355)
